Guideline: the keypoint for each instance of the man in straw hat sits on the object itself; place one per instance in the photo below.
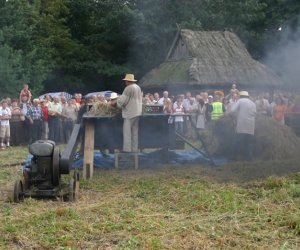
(245, 111)
(131, 103)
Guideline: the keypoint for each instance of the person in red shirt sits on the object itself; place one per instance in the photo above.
(78, 97)
(45, 127)
(25, 92)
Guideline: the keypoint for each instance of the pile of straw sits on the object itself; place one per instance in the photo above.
(273, 141)
(103, 108)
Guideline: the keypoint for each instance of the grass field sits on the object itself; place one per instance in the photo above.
(238, 206)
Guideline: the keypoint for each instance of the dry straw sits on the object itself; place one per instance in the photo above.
(273, 141)
(209, 58)
(103, 108)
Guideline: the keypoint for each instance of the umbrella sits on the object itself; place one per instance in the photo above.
(106, 93)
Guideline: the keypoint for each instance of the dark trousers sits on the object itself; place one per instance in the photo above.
(26, 129)
(35, 131)
(243, 147)
(68, 128)
(54, 123)
(16, 133)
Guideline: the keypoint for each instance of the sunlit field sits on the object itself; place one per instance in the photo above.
(237, 206)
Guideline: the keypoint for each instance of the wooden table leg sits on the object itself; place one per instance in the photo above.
(88, 157)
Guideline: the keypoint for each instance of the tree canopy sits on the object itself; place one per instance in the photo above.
(87, 45)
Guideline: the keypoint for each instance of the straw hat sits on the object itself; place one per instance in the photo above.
(244, 93)
(113, 96)
(129, 78)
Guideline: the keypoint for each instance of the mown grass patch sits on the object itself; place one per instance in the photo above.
(169, 208)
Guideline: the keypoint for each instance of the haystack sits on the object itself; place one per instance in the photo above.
(273, 141)
(103, 108)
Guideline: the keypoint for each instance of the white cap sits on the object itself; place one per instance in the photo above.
(113, 95)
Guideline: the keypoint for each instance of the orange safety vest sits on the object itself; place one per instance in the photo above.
(279, 111)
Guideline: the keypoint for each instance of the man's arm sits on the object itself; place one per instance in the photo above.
(9, 114)
(29, 112)
(20, 96)
(123, 99)
(50, 110)
(59, 109)
(42, 113)
(223, 108)
(29, 96)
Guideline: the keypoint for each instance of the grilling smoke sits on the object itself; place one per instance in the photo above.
(284, 58)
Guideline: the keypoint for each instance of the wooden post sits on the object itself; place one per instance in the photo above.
(136, 160)
(88, 157)
(116, 160)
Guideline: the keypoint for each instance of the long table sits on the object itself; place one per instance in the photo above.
(106, 132)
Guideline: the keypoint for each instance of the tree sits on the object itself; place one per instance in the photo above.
(22, 60)
(88, 45)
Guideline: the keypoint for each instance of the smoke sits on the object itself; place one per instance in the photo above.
(284, 57)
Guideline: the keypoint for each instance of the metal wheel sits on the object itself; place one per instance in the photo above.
(25, 181)
(55, 166)
(18, 191)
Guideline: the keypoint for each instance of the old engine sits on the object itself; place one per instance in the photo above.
(42, 174)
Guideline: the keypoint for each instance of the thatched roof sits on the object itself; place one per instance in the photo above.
(205, 58)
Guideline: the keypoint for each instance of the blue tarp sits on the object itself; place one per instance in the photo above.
(153, 159)
(148, 160)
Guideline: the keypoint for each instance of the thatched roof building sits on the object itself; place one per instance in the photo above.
(205, 59)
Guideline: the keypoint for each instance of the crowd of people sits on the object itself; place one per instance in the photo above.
(206, 107)
(24, 120)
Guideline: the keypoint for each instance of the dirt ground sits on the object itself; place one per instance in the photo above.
(249, 171)
(235, 172)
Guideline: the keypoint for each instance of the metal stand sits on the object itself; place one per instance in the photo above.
(205, 152)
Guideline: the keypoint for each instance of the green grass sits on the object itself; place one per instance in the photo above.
(186, 207)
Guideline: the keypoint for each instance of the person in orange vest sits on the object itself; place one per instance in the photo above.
(218, 108)
(279, 110)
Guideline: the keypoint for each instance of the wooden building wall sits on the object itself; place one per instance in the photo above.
(180, 51)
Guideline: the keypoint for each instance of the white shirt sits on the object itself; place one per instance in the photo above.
(178, 110)
(245, 111)
(262, 106)
(4, 112)
(161, 100)
(186, 103)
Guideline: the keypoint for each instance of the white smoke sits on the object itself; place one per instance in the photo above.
(284, 58)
